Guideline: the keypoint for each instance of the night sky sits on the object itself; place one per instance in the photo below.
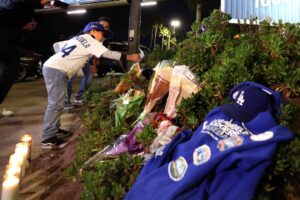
(52, 25)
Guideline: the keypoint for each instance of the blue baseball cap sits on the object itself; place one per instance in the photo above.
(249, 99)
(96, 26)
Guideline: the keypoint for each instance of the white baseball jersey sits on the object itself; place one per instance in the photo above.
(74, 53)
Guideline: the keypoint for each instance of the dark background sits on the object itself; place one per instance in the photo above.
(53, 27)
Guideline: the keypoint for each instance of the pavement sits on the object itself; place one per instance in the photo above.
(28, 100)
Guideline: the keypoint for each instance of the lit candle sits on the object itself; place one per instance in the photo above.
(12, 170)
(10, 188)
(28, 139)
(17, 159)
(23, 149)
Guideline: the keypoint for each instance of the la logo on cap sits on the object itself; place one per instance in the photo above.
(239, 97)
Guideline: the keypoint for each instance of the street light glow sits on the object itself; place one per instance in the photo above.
(81, 11)
(175, 23)
(149, 3)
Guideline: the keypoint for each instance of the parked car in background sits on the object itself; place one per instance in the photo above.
(107, 65)
(30, 64)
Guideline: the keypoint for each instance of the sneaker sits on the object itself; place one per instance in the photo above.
(68, 105)
(78, 100)
(54, 143)
(63, 133)
(7, 113)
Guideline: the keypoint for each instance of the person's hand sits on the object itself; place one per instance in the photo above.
(93, 68)
(44, 2)
(30, 26)
(134, 57)
(96, 61)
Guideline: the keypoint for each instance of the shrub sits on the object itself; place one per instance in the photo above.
(266, 54)
(111, 179)
(157, 54)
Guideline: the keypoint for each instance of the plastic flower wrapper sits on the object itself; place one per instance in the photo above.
(146, 118)
(166, 131)
(182, 85)
(127, 143)
(127, 105)
(165, 136)
(159, 85)
(131, 77)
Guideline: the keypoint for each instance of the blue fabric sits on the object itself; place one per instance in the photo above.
(249, 99)
(6, 5)
(70, 88)
(97, 26)
(93, 26)
(85, 81)
(258, 97)
(233, 157)
(56, 83)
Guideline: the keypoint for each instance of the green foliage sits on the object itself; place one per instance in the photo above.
(157, 54)
(111, 179)
(192, 52)
(167, 37)
(147, 135)
(199, 51)
(135, 82)
(281, 179)
(266, 54)
(279, 44)
(128, 107)
(235, 66)
(192, 111)
(269, 55)
(98, 123)
(217, 23)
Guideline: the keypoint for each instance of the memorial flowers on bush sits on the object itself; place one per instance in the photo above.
(268, 55)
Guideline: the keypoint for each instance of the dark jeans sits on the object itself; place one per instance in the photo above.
(85, 81)
(9, 69)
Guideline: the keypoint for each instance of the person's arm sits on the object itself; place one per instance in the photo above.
(114, 55)
(99, 50)
(36, 3)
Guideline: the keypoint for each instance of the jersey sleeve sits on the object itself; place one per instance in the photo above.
(97, 49)
(114, 55)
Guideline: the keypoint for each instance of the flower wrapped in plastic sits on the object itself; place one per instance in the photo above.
(127, 105)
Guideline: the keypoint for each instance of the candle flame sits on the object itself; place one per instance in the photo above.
(26, 138)
(22, 144)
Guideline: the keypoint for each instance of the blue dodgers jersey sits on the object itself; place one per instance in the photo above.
(222, 159)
